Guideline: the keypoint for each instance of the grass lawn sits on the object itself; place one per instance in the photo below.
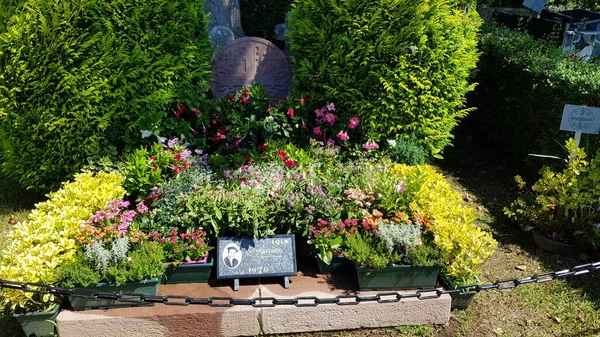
(569, 307)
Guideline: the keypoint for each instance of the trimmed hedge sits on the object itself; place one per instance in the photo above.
(401, 66)
(79, 77)
(523, 86)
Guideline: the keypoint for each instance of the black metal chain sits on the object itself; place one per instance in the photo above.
(304, 301)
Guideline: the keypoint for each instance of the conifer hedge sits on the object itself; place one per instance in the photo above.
(400, 65)
(78, 77)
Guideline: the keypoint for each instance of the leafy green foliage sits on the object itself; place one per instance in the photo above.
(79, 77)
(524, 85)
(78, 273)
(407, 151)
(426, 255)
(143, 262)
(368, 251)
(563, 205)
(400, 66)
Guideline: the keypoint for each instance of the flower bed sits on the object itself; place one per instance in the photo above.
(172, 199)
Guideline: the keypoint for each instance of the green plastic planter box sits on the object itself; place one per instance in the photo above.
(459, 302)
(188, 272)
(40, 324)
(145, 287)
(397, 277)
(339, 265)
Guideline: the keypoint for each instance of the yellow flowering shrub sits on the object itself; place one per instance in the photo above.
(465, 245)
(47, 239)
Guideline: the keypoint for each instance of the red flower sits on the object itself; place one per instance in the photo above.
(290, 163)
(290, 112)
(246, 93)
(177, 169)
(196, 112)
(223, 129)
(282, 155)
(154, 168)
(179, 111)
(178, 157)
(153, 158)
(194, 132)
(245, 100)
(262, 147)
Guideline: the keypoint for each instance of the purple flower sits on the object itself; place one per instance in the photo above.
(597, 225)
(171, 143)
(331, 107)
(185, 154)
(142, 208)
(400, 188)
(329, 118)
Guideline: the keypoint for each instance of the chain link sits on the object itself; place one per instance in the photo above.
(303, 301)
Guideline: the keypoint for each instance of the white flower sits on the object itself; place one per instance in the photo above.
(146, 133)
(392, 142)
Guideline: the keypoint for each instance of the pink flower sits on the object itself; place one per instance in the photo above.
(142, 208)
(290, 112)
(177, 170)
(317, 131)
(353, 122)
(185, 154)
(370, 146)
(303, 125)
(331, 107)
(290, 163)
(237, 143)
(196, 112)
(400, 188)
(301, 100)
(329, 118)
(194, 132)
(171, 143)
(245, 100)
(179, 111)
(319, 112)
(204, 130)
(282, 155)
(343, 136)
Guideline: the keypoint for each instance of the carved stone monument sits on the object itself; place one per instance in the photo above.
(225, 13)
(251, 60)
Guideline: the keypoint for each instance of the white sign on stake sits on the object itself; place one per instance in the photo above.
(535, 5)
(580, 119)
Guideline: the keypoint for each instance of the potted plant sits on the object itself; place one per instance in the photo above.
(328, 239)
(562, 208)
(395, 253)
(113, 258)
(40, 323)
(186, 254)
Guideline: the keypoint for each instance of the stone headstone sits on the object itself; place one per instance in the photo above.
(225, 13)
(220, 36)
(251, 60)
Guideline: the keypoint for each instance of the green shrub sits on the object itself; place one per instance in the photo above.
(407, 151)
(79, 77)
(259, 17)
(523, 87)
(400, 66)
(563, 205)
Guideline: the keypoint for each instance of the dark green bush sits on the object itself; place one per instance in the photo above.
(523, 87)
(259, 17)
(79, 77)
(407, 151)
(401, 66)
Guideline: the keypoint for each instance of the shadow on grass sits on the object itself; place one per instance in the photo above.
(484, 175)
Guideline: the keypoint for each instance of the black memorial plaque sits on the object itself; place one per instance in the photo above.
(245, 257)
